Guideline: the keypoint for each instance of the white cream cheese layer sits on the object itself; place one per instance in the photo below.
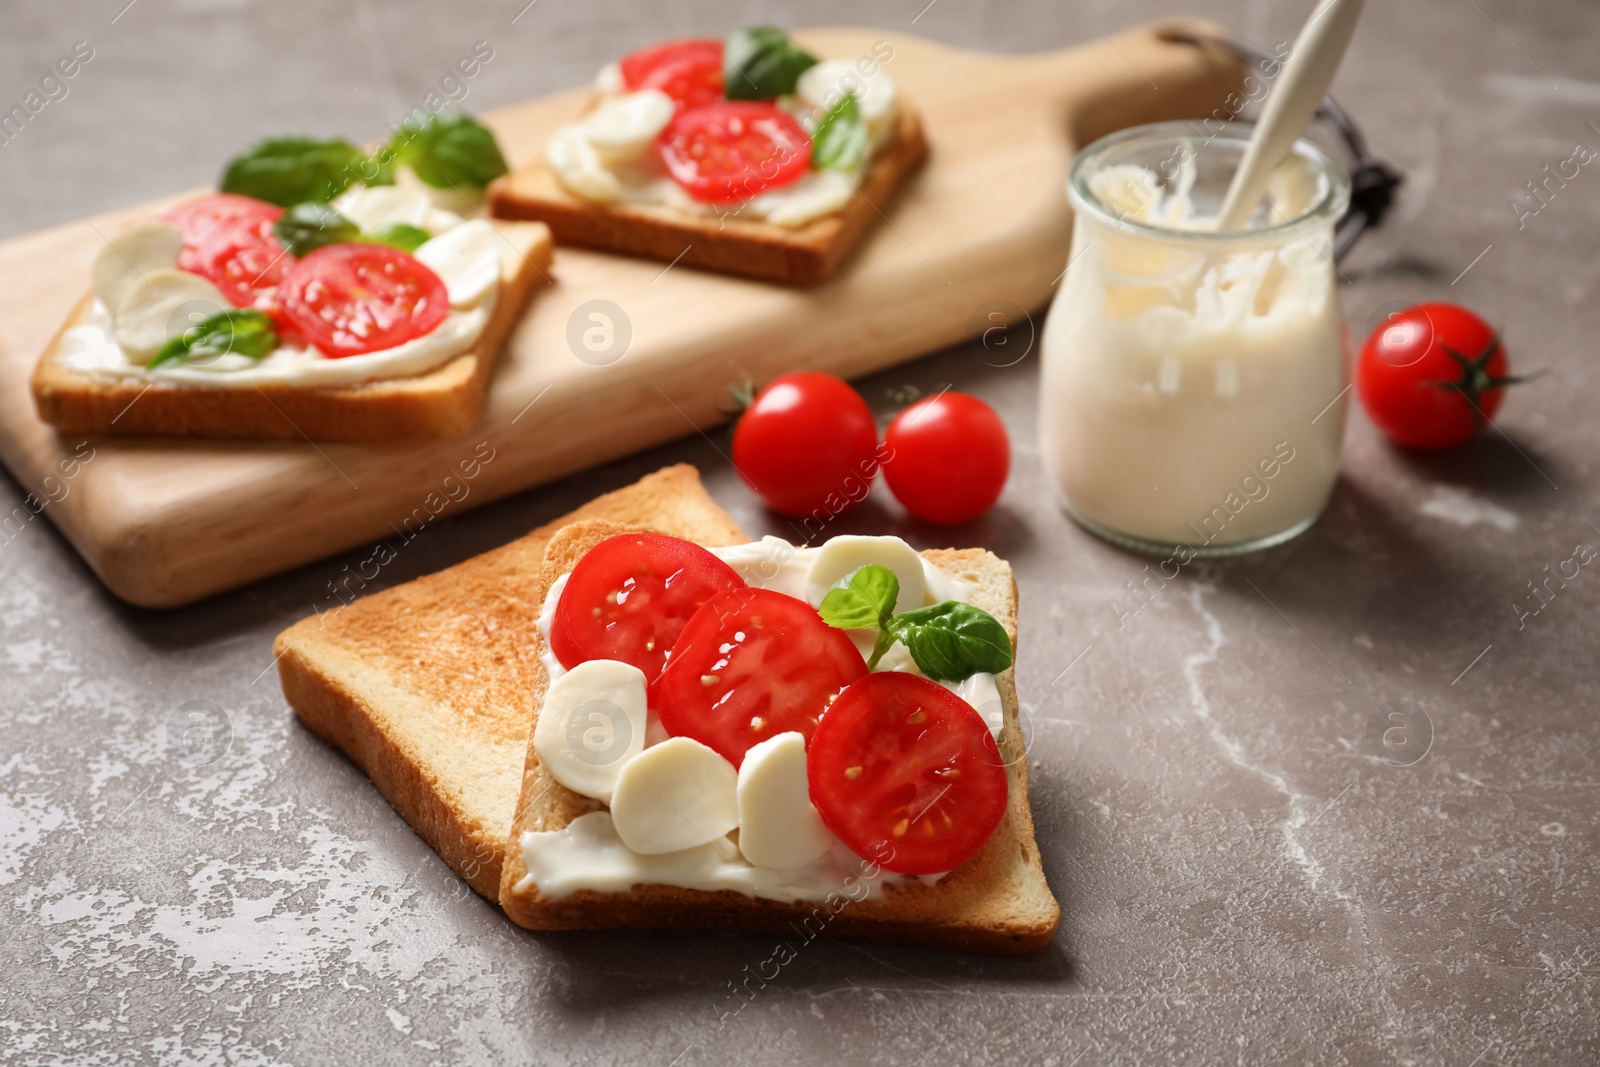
(465, 255)
(590, 854)
(608, 156)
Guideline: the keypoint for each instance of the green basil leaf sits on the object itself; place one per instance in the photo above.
(242, 331)
(378, 168)
(840, 140)
(952, 641)
(305, 228)
(760, 62)
(865, 603)
(295, 170)
(401, 235)
(448, 149)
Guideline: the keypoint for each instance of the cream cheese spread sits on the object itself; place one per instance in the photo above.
(587, 854)
(1185, 376)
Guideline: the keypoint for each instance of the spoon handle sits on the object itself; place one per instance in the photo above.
(1292, 104)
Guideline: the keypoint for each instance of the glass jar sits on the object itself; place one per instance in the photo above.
(1193, 391)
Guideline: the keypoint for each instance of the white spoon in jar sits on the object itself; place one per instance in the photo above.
(1291, 105)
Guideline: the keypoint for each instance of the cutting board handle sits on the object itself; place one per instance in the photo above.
(1153, 73)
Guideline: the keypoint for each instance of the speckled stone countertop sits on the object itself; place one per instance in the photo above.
(1247, 875)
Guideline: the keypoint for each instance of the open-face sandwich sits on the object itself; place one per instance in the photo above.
(325, 292)
(749, 156)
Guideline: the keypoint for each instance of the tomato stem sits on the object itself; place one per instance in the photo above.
(1475, 378)
(743, 394)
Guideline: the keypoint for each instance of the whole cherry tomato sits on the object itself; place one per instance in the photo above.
(1432, 375)
(946, 458)
(807, 443)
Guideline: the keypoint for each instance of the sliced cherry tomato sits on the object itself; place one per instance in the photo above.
(807, 442)
(289, 335)
(350, 299)
(198, 217)
(750, 665)
(906, 773)
(946, 458)
(244, 259)
(689, 71)
(630, 596)
(1432, 375)
(729, 152)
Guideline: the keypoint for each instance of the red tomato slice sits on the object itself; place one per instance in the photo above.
(689, 71)
(729, 152)
(198, 217)
(630, 596)
(244, 259)
(350, 299)
(906, 773)
(750, 665)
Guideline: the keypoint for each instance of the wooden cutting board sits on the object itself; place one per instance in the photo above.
(166, 522)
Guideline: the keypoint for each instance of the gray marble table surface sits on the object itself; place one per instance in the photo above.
(1246, 876)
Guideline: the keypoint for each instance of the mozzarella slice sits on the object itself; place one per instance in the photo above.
(448, 205)
(374, 206)
(592, 723)
(770, 563)
(823, 84)
(844, 555)
(779, 829)
(441, 220)
(818, 193)
(674, 796)
(578, 166)
(160, 306)
(623, 128)
(467, 260)
(130, 255)
(609, 79)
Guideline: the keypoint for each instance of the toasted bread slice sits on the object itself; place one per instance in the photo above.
(996, 902)
(429, 686)
(803, 255)
(437, 403)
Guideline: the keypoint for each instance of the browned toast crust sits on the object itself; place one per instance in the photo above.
(426, 686)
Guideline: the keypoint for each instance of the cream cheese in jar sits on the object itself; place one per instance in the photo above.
(1194, 380)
